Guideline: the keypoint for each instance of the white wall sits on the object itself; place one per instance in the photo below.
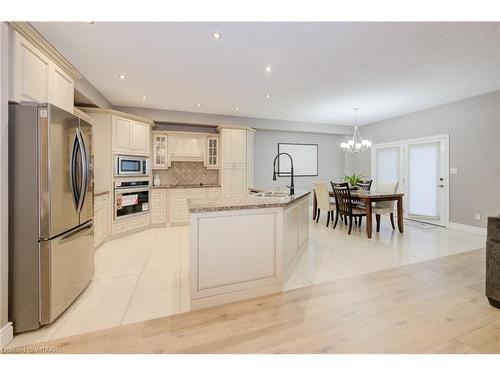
(330, 158)
(474, 128)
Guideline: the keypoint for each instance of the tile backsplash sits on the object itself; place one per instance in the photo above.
(187, 173)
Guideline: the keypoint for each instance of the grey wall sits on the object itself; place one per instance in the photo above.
(257, 123)
(474, 128)
(91, 93)
(4, 90)
(330, 158)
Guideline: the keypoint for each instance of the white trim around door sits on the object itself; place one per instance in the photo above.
(402, 173)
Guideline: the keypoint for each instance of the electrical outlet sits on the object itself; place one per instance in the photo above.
(477, 216)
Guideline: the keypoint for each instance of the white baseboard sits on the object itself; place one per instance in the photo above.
(467, 228)
(6, 335)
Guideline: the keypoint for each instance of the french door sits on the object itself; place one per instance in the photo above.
(420, 166)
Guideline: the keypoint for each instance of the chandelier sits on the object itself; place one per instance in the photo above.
(356, 144)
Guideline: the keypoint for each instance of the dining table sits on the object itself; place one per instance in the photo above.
(367, 198)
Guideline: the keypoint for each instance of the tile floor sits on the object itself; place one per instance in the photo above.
(145, 275)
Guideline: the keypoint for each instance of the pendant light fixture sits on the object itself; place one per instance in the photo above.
(356, 145)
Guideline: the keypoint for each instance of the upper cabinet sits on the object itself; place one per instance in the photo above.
(130, 137)
(212, 153)
(160, 150)
(36, 77)
(236, 162)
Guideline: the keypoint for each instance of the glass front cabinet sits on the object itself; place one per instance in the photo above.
(212, 161)
(160, 150)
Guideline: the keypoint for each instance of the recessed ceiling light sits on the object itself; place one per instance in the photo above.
(122, 76)
(216, 35)
(90, 22)
(268, 68)
(198, 104)
(237, 108)
(268, 95)
(144, 98)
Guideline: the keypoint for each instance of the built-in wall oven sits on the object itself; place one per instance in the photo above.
(128, 166)
(131, 199)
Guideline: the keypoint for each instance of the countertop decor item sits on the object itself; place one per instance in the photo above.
(356, 145)
(493, 261)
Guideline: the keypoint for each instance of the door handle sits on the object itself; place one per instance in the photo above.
(84, 171)
(72, 172)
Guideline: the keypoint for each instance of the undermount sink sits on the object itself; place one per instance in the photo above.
(272, 194)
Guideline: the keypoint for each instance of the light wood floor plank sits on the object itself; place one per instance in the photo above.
(436, 306)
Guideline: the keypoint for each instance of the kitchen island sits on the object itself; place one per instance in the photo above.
(245, 247)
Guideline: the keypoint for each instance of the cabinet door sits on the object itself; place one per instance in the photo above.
(100, 224)
(239, 148)
(239, 182)
(121, 134)
(30, 72)
(227, 183)
(139, 138)
(160, 150)
(227, 148)
(212, 155)
(61, 88)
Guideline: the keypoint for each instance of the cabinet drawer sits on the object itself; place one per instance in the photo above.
(178, 193)
(214, 193)
(159, 193)
(130, 224)
(197, 193)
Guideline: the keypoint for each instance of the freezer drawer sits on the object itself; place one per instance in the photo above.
(66, 267)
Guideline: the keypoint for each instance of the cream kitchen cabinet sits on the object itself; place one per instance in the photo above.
(158, 206)
(101, 219)
(250, 158)
(35, 77)
(130, 137)
(160, 150)
(212, 153)
(234, 162)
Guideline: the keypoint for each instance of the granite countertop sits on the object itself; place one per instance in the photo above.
(99, 193)
(248, 202)
(187, 186)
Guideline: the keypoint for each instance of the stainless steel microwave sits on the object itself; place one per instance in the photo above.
(127, 166)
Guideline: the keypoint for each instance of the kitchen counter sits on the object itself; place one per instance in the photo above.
(245, 247)
(188, 186)
(248, 202)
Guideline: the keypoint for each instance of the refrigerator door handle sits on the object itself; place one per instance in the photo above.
(72, 171)
(75, 233)
(84, 171)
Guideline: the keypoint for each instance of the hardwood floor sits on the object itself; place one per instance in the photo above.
(437, 306)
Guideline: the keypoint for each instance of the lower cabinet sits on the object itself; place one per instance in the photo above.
(158, 206)
(178, 210)
(101, 219)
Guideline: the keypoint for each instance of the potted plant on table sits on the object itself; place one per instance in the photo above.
(353, 179)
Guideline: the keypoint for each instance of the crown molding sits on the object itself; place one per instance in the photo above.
(34, 37)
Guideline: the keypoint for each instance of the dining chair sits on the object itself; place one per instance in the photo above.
(384, 208)
(344, 204)
(366, 186)
(323, 201)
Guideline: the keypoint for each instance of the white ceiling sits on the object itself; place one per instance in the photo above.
(319, 70)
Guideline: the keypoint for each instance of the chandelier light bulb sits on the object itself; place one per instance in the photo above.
(343, 145)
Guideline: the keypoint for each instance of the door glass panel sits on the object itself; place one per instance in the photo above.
(387, 164)
(423, 179)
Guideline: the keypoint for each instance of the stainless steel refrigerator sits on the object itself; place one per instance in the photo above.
(51, 251)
